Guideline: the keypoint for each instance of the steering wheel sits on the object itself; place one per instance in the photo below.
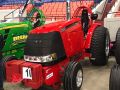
(34, 15)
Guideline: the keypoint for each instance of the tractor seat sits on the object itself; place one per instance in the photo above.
(37, 21)
(85, 20)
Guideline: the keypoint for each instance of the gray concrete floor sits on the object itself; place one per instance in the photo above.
(95, 78)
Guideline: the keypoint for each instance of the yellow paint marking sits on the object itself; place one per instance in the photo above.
(21, 37)
(15, 26)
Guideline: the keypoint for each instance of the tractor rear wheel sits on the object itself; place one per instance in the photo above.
(114, 82)
(73, 76)
(4, 60)
(117, 47)
(100, 46)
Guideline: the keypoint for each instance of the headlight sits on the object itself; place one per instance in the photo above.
(41, 59)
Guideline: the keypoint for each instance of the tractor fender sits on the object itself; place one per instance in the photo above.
(90, 34)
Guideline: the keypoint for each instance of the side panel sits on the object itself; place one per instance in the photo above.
(51, 74)
(73, 40)
(90, 34)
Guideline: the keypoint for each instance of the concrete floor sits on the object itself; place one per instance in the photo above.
(95, 78)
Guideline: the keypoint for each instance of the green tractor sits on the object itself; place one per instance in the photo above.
(13, 35)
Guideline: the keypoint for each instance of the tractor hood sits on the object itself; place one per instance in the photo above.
(48, 27)
(56, 26)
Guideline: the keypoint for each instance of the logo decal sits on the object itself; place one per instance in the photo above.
(49, 75)
(19, 39)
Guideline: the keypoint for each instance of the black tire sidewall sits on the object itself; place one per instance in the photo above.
(117, 47)
(71, 74)
(66, 82)
(114, 81)
(75, 70)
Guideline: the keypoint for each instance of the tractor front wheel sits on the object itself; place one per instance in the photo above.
(114, 82)
(4, 60)
(100, 46)
(73, 76)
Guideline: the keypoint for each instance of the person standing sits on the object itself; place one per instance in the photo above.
(85, 21)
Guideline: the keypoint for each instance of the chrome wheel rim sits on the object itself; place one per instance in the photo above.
(79, 78)
(107, 48)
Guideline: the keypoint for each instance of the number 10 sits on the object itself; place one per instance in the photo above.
(28, 71)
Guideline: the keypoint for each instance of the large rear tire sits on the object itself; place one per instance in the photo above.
(117, 47)
(100, 46)
(114, 82)
(73, 76)
(4, 60)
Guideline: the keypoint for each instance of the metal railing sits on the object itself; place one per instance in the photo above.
(11, 15)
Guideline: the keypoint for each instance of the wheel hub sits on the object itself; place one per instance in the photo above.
(79, 78)
(107, 48)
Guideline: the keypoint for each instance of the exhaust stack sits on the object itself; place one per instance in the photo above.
(68, 10)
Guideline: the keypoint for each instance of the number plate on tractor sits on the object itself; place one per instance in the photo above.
(27, 73)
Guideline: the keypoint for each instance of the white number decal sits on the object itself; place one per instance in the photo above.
(27, 73)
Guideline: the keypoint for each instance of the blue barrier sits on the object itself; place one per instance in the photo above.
(98, 1)
(37, 2)
(12, 2)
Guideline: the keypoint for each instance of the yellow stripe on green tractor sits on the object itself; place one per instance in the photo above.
(15, 26)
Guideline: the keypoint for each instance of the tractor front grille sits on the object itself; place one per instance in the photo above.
(45, 44)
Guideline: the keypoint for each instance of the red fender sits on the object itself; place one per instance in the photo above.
(90, 34)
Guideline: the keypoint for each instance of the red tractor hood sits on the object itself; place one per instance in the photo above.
(56, 26)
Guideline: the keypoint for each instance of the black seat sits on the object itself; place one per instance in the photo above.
(85, 20)
(37, 22)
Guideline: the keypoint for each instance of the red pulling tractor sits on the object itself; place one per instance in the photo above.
(54, 51)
